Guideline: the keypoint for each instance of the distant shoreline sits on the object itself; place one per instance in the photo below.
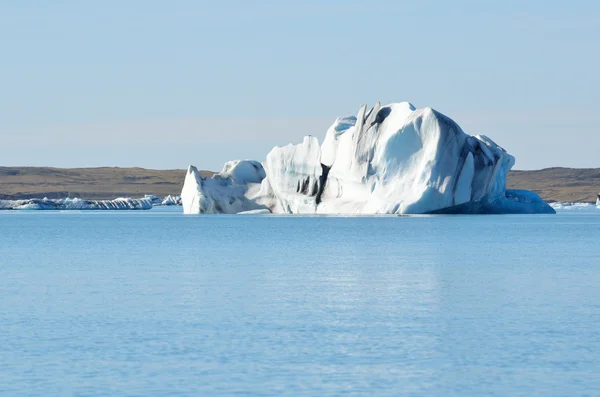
(105, 183)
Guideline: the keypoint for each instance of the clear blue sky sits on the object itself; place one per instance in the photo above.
(164, 84)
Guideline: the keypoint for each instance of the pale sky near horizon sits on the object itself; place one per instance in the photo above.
(161, 84)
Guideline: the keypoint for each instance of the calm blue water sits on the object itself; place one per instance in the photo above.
(158, 304)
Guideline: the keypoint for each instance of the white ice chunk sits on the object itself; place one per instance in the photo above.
(293, 174)
(255, 212)
(171, 199)
(243, 171)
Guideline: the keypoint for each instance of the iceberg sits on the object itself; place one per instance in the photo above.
(122, 203)
(171, 199)
(230, 191)
(393, 159)
(153, 199)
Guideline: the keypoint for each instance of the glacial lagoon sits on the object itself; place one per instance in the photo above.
(155, 303)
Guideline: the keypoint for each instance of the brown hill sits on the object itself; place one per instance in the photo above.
(559, 184)
(553, 184)
(88, 183)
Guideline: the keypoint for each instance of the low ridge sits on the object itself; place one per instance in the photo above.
(104, 183)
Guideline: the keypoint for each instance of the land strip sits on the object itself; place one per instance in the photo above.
(552, 184)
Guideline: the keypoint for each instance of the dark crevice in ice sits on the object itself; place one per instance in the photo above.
(315, 188)
(322, 182)
(382, 115)
(304, 188)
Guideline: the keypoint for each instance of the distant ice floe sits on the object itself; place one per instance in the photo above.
(171, 200)
(122, 203)
(155, 200)
(174, 199)
(573, 206)
(393, 159)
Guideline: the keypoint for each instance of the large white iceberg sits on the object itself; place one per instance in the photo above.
(122, 203)
(392, 159)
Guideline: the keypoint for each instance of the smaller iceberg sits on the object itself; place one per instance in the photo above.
(231, 191)
(171, 199)
(121, 203)
(598, 201)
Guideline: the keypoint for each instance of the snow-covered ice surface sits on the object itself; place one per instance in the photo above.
(123, 203)
(392, 159)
